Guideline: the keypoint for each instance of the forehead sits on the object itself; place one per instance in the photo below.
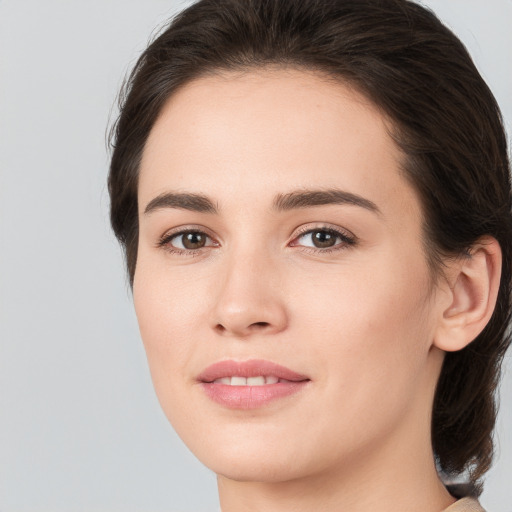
(261, 132)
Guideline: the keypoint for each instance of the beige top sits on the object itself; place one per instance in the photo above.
(465, 505)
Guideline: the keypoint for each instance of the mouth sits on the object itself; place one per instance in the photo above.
(249, 384)
(260, 380)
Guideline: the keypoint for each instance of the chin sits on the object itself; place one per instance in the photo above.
(254, 457)
(242, 469)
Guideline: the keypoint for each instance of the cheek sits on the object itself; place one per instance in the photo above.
(371, 326)
(368, 342)
(168, 309)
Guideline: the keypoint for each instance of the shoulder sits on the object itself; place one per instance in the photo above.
(465, 505)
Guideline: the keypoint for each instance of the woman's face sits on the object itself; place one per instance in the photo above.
(276, 228)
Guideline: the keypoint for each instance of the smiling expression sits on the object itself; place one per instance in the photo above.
(280, 242)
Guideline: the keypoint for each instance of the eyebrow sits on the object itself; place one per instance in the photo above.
(282, 202)
(185, 201)
(309, 198)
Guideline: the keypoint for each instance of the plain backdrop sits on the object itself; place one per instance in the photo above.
(80, 427)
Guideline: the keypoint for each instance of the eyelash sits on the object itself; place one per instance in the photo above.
(347, 240)
(165, 242)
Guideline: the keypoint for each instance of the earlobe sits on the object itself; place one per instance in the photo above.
(474, 283)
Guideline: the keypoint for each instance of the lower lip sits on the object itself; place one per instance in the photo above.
(251, 397)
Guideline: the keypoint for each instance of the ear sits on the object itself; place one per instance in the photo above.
(473, 282)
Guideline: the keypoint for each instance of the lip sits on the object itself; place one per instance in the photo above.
(249, 397)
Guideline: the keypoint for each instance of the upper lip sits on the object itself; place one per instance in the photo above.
(250, 368)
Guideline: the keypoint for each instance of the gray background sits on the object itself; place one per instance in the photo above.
(80, 427)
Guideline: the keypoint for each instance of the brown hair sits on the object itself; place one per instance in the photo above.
(445, 119)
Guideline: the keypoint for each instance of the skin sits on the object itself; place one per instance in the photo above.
(362, 320)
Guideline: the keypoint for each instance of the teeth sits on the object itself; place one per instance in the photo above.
(255, 381)
(260, 380)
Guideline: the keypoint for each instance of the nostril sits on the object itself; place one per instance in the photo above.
(260, 324)
(220, 328)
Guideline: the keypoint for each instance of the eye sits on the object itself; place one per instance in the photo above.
(190, 240)
(324, 238)
(186, 241)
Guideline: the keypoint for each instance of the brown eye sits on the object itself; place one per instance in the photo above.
(323, 239)
(193, 240)
(188, 240)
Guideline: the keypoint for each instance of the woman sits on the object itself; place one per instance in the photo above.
(315, 203)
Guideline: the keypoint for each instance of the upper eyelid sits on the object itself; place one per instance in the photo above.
(170, 233)
(303, 230)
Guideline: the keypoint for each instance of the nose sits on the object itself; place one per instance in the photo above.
(249, 299)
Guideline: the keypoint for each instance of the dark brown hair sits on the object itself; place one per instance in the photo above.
(445, 120)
